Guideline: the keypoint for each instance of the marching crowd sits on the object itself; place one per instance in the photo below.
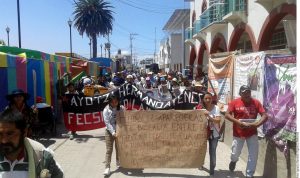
(162, 86)
(16, 121)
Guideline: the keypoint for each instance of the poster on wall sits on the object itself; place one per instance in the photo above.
(248, 70)
(220, 74)
(280, 98)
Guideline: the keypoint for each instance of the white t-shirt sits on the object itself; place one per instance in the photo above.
(213, 126)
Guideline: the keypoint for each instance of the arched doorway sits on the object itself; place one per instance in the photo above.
(218, 44)
(192, 58)
(242, 38)
(202, 61)
(273, 32)
(204, 6)
(193, 18)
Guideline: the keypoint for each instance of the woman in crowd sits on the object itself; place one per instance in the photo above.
(214, 117)
(17, 102)
(109, 115)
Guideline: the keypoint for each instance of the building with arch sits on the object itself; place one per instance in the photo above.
(229, 25)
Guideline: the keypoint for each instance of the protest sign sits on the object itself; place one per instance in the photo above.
(162, 139)
(249, 70)
(220, 74)
(280, 97)
(85, 113)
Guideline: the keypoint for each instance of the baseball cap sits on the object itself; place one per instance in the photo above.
(244, 88)
(198, 84)
(129, 76)
(87, 81)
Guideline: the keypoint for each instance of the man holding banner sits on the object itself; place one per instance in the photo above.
(243, 113)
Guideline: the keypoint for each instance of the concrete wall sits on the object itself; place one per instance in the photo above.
(176, 49)
(271, 161)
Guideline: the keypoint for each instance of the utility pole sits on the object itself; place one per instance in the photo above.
(131, 35)
(90, 43)
(101, 49)
(107, 46)
(154, 47)
(19, 23)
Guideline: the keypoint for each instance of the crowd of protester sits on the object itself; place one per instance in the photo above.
(163, 86)
(20, 118)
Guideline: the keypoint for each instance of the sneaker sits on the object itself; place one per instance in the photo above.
(73, 133)
(118, 164)
(71, 137)
(232, 166)
(106, 172)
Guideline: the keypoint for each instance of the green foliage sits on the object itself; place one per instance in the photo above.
(94, 18)
(2, 42)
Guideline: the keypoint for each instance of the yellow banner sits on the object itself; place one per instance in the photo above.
(161, 139)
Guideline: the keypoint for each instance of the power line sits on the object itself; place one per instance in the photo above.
(152, 5)
(129, 31)
(143, 9)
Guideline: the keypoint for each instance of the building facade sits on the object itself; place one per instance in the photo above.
(172, 56)
(229, 25)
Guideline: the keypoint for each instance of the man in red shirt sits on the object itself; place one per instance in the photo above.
(243, 113)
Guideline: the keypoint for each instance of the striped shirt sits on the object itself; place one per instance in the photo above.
(15, 169)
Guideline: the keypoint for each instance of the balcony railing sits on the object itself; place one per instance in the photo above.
(189, 33)
(197, 26)
(211, 15)
(235, 6)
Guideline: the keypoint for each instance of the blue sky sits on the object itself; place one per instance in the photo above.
(44, 25)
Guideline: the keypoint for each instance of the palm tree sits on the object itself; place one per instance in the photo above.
(94, 18)
(2, 43)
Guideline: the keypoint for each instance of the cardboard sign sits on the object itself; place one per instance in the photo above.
(162, 139)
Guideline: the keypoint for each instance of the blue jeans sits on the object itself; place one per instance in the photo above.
(213, 143)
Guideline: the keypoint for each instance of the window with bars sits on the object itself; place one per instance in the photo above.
(278, 40)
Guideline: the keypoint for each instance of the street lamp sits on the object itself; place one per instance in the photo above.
(90, 43)
(70, 25)
(19, 23)
(7, 30)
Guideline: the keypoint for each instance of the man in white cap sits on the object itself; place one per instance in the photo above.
(175, 88)
(129, 79)
(198, 87)
(163, 90)
(148, 84)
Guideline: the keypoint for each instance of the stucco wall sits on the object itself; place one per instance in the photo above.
(176, 49)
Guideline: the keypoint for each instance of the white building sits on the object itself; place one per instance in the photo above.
(123, 61)
(246, 25)
(171, 52)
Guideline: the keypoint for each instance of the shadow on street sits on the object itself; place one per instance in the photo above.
(218, 174)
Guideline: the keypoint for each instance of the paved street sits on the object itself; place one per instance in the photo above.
(84, 157)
